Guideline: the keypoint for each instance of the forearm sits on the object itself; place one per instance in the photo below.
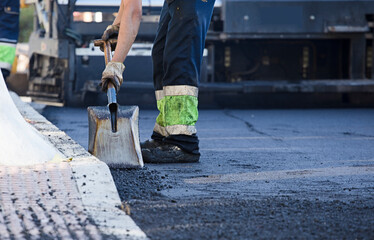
(129, 25)
(117, 20)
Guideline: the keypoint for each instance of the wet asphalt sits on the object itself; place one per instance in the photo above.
(263, 174)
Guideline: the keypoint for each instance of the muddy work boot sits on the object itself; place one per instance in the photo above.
(159, 152)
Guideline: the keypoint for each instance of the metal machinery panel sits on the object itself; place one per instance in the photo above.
(253, 47)
(90, 63)
(296, 16)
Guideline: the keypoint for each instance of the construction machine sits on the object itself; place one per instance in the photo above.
(258, 53)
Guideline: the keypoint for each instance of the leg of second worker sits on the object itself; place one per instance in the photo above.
(182, 59)
(158, 60)
(151, 150)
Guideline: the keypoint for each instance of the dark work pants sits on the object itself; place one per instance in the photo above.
(177, 55)
(5, 73)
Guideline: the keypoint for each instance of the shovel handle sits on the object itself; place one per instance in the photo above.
(111, 91)
(107, 52)
(113, 106)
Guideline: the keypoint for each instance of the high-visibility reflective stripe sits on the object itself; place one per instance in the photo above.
(8, 44)
(7, 54)
(179, 90)
(177, 110)
(175, 130)
(8, 40)
(159, 94)
(6, 66)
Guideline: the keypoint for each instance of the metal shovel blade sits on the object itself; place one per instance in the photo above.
(120, 149)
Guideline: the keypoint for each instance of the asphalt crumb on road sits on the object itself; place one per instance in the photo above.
(227, 217)
(138, 184)
(165, 206)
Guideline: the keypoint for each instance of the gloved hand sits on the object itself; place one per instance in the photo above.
(112, 73)
(110, 32)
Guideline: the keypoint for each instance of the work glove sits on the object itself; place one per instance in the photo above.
(110, 32)
(112, 74)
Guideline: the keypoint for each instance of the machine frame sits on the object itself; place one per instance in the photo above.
(254, 47)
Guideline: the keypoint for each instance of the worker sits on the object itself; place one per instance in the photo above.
(9, 28)
(176, 55)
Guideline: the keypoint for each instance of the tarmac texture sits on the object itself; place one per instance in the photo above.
(263, 174)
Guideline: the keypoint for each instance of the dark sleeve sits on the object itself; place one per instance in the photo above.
(9, 19)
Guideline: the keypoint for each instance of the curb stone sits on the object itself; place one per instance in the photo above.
(93, 179)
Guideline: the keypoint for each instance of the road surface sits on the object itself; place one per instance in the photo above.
(263, 174)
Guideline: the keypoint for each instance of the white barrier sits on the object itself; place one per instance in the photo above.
(20, 143)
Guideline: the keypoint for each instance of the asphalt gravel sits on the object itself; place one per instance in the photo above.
(264, 218)
(263, 174)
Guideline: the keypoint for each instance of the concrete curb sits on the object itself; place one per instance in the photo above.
(92, 176)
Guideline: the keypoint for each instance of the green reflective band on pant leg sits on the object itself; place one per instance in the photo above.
(177, 110)
(160, 118)
(7, 54)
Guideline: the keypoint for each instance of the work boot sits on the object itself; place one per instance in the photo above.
(159, 152)
(150, 144)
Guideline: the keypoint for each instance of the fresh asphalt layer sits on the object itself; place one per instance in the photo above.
(263, 174)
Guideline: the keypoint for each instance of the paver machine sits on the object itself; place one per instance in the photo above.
(273, 52)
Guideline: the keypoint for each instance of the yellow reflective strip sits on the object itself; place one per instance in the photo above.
(179, 90)
(6, 66)
(14, 45)
(159, 95)
(181, 129)
(175, 130)
(161, 130)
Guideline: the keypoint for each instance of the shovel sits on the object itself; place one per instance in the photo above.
(113, 130)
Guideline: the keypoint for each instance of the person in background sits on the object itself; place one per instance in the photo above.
(9, 29)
